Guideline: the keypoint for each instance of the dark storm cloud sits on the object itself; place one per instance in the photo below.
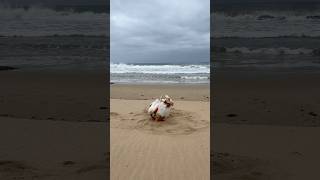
(160, 30)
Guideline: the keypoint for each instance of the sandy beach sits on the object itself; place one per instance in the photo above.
(266, 125)
(53, 125)
(174, 149)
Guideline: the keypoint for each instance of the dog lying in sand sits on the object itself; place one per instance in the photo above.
(160, 109)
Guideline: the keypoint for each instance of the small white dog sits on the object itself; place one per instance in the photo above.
(160, 108)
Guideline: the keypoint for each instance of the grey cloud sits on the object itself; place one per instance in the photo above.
(160, 30)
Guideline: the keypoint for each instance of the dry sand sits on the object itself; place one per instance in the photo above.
(178, 148)
(53, 126)
(266, 126)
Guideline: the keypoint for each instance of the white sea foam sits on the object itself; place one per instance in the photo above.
(159, 69)
(146, 73)
(270, 51)
(40, 21)
(266, 24)
(195, 77)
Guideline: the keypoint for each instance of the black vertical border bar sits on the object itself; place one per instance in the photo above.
(107, 75)
(211, 93)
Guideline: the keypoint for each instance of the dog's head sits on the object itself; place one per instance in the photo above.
(167, 100)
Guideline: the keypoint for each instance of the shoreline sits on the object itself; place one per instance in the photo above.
(160, 83)
(193, 92)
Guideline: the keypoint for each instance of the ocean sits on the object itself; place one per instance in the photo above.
(263, 36)
(266, 36)
(159, 73)
(76, 39)
(61, 38)
(44, 21)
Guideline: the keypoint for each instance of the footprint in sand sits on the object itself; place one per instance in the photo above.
(68, 163)
(114, 114)
(100, 166)
(225, 163)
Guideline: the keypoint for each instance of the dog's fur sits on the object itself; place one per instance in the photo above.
(160, 108)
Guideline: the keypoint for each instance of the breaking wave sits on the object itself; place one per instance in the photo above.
(146, 73)
(268, 15)
(265, 24)
(267, 51)
(194, 77)
(159, 69)
(41, 21)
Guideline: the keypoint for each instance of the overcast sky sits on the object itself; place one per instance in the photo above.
(160, 31)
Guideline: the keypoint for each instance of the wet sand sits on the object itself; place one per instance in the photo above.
(56, 95)
(265, 125)
(53, 125)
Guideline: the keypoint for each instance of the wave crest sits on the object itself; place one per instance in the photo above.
(42, 21)
(265, 24)
(158, 69)
(268, 51)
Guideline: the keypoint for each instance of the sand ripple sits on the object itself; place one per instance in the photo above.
(179, 122)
